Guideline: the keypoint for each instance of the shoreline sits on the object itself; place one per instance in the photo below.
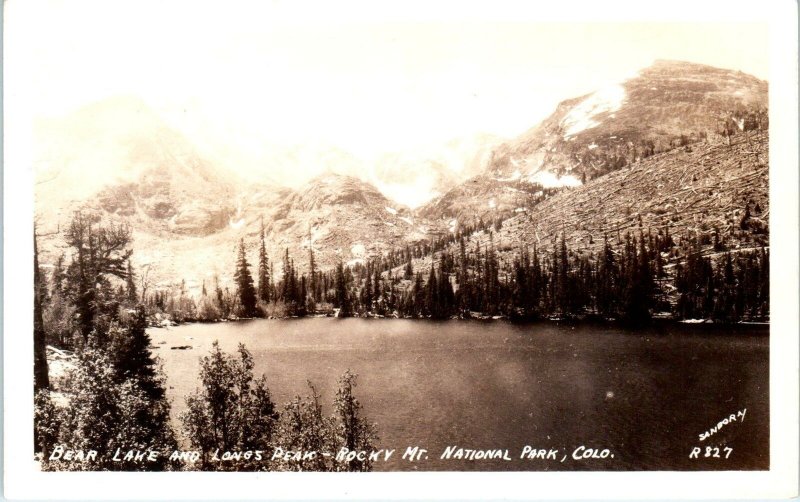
(656, 321)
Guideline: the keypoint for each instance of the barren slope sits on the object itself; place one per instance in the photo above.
(694, 191)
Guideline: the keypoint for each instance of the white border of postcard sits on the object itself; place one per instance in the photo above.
(23, 480)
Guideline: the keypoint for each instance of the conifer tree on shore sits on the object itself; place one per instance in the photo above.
(264, 276)
(244, 283)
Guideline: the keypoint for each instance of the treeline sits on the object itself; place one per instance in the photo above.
(632, 280)
(636, 277)
(110, 392)
(255, 292)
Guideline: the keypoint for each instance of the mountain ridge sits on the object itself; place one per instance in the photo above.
(668, 104)
(187, 212)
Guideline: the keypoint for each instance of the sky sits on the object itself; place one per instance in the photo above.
(248, 80)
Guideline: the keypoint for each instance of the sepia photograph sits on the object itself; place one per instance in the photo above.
(292, 238)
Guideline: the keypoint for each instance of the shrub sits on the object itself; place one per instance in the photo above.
(230, 412)
(103, 413)
(274, 309)
(207, 310)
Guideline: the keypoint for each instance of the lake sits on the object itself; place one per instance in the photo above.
(645, 396)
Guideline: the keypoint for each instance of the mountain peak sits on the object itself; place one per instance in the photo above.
(119, 154)
(331, 188)
(329, 177)
(688, 69)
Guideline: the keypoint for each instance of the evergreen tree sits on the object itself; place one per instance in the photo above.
(302, 300)
(244, 283)
(312, 271)
(537, 283)
(131, 357)
(130, 285)
(58, 277)
(431, 306)
(409, 270)
(607, 278)
(264, 281)
(445, 296)
(40, 370)
(417, 306)
(342, 295)
(101, 252)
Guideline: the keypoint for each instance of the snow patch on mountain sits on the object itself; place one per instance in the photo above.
(514, 176)
(235, 222)
(551, 180)
(412, 193)
(391, 210)
(358, 250)
(582, 116)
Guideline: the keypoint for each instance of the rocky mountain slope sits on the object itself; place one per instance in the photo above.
(340, 217)
(714, 192)
(119, 158)
(485, 197)
(666, 105)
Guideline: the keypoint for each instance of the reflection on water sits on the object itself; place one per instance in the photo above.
(644, 395)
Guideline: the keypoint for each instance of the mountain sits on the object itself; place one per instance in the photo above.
(622, 154)
(417, 178)
(712, 191)
(485, 197)
(666, 105)
(341, 218)
(119, 158)
(410, 177)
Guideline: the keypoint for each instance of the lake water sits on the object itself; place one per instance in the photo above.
(644, 395)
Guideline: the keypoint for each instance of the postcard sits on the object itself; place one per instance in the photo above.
(426, 250)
